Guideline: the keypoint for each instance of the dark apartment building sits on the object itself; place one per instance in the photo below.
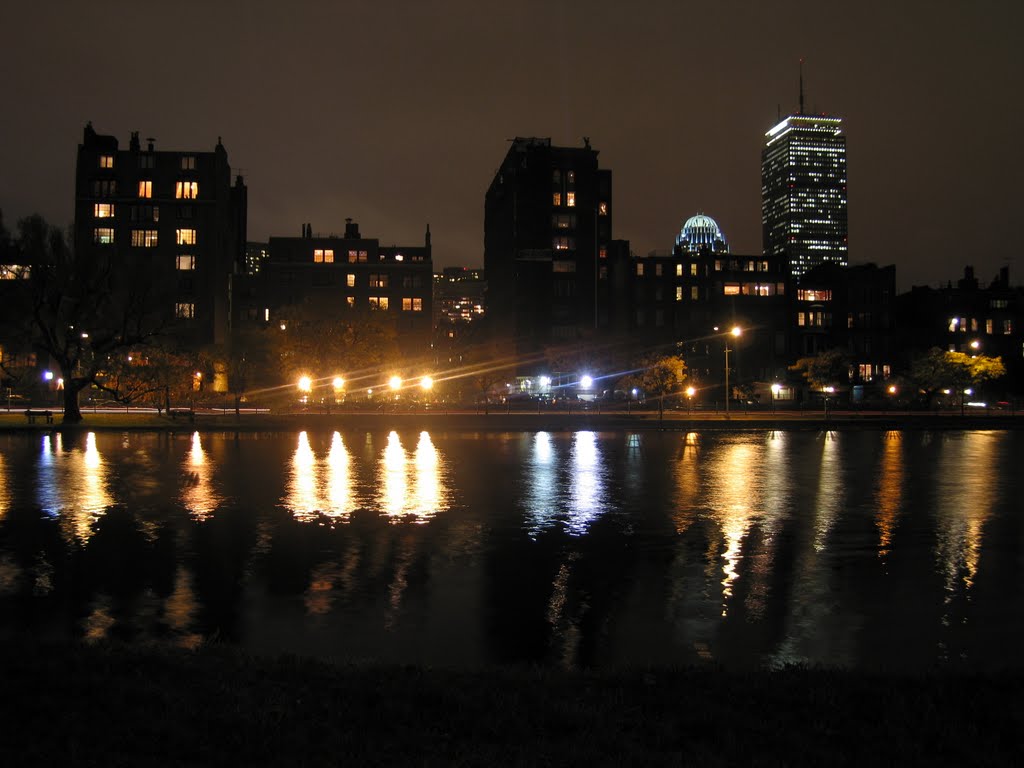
(547, 247)
(348, 272)
(967, 316)
(171, 219)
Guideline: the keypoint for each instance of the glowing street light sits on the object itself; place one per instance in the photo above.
(690, 392)
(305, 384)
(339, 383)
(586, 381)
(426, 383)
(736, 332)
(395, 382)
(776, 388)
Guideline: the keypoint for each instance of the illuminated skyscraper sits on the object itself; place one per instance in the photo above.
(803, 191)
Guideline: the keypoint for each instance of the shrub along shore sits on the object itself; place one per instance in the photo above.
(110, 705)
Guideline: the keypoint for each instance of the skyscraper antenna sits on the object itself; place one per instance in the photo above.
(801, 87)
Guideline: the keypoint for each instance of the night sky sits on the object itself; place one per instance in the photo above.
(398, 113)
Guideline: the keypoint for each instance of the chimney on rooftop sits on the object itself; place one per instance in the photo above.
(351, 230)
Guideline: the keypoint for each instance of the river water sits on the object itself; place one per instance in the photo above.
(861, 549)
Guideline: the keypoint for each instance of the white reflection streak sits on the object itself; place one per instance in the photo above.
(541, 510)
(73, 484)
(587, 493)
(394, 485)
(197, 495)
(338, 491)
(428, 481)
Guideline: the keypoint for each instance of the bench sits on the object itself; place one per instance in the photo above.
(33, 415)
(186, 413)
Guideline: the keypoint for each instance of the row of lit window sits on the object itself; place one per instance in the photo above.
(186, 162)
(326, 256)
(143, 238)
(183, 190)
(960, 324)
(814, 319)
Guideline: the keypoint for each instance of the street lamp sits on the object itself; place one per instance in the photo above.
(339, 387)
(690, 392)
(776, 388)
(736, 332)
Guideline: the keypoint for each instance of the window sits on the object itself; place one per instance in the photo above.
(731, 289)
(679, 270)
(718, 265)
(145, 189)
(602, 273)
(563, 243)
(999, 303)
(412, 305)
(323, 255)
(679, 293)
(378, 302)
(146, 162)
(103, 210)
(378, 281)
(188, 162)
(185, 310)
(184, 262)
(693, 270)
(350, 301)
(350, 280)
(570, 177)
(602, 252)
(657, 270)
(185, 212)
(694, 293)
(1007, 327)
(104, 188)
(570, 199)
(103, 235)
(556, 176)
(145, 213)
(812, 294)
(764, 266)
(602, 208)
(354, 256)
(185, 236)
(563, 266)
(748, 266)
(556, 199)
(988, 325)
(106, 161)
(186, 190)
(639, 270)
(144, 238)
(563, 221)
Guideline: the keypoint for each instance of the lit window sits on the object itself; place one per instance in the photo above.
(412, 305)
(103, 235)
(570, 199)
(988, 326)
(679, 293)
(718, 265)
(1007, 326)
(563, 243)
(602, 208)
(732, 289)
(350, 301)
(693, 270)
(144, 238)
(378, 281)
(103, 210)
(106, 161)
(694, 293)
(185, 310)
(188, 163)
(556, 199)
(185, 236)
(378, 302)
(185, 262)
(186, 190)
(323, 255)
(350, 280)
(640, 270)
(809, 294)
(145, 189)
(801, 318)
(602, 252)
(679, 270)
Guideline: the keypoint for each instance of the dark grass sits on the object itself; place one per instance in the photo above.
(113, 706)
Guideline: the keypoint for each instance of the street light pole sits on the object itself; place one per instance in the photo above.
(736, 331)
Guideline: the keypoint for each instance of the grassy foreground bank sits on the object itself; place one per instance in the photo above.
(114, 706)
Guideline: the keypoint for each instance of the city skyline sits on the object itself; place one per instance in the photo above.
(395, 118)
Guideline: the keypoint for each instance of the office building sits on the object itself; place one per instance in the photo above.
(803, 192)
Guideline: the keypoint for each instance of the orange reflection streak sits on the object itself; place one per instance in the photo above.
(733, 500)
(197, 493)
(339, 490)
(688, 484)
(5, 497)
(302, 499)
(428, 487)
(180, 608)
(889, 495)
(830, 490)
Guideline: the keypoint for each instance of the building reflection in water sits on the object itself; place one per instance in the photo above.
(197, 493)
(964, 500)
(73, 484)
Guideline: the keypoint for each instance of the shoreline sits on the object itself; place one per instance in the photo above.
(463, 421)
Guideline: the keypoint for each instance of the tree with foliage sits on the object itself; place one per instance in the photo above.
(936, 370)
(830, 368)
(76, 309)
(157, 375)
(658, 376)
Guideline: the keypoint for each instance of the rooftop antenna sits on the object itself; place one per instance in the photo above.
(801, 87)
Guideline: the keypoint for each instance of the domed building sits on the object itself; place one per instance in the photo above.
(699, 233)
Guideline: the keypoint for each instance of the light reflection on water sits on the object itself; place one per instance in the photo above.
(593, 548)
